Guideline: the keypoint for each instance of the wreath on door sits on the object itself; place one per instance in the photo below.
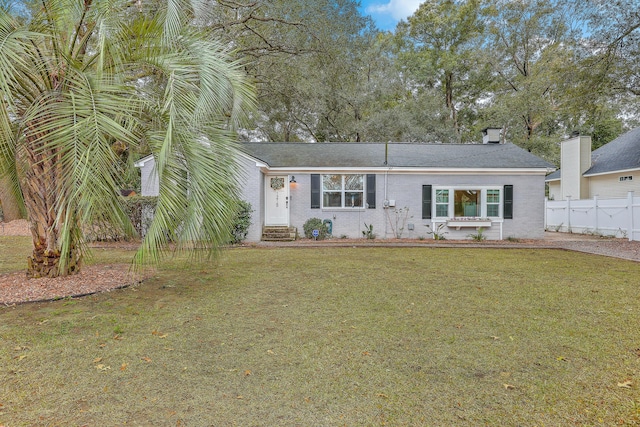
(277, 183)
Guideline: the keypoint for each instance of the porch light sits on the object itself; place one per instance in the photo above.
(292, 180)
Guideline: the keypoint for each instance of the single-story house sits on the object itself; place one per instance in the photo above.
(402, 190)
(608, 172)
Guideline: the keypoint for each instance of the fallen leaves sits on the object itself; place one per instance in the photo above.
(625, 384)
(159, 334)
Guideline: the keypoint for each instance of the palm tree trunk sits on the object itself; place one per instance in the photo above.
(41, 184)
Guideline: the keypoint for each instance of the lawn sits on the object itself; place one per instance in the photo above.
(337, 336)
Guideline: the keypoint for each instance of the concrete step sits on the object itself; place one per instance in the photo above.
(279, 234)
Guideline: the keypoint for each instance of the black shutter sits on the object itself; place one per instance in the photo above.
(371, 191)
(315, 191)
(426, 202)
(507, 208)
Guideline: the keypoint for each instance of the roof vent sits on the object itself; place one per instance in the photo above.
(491, 135)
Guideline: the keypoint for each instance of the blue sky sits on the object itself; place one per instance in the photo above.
(387, 13)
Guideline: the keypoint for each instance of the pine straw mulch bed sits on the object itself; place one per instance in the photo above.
(16, 288)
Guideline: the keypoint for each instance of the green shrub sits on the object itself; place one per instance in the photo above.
(140, 212)
(314, 224)
(241, 222)
(368, 231)
(479, 236)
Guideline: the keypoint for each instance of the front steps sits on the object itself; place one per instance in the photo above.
(279, 234)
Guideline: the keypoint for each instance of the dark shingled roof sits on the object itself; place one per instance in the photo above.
(553, 176)
(623, 153)
(400, 155)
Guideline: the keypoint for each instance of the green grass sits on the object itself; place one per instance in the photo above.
(14, 251)
(337, 336)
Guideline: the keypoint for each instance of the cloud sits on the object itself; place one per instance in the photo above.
(398, 9)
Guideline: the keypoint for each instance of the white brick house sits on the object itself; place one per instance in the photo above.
(401, 189)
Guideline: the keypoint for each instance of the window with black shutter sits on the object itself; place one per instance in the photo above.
(315, 191)
(426, 202)
(507, 208)
(371, 191)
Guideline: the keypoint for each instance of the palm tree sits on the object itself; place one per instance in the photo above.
(78, 77)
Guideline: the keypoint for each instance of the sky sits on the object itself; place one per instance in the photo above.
(387, 13)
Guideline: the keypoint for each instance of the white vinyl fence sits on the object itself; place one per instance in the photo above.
(609, 217)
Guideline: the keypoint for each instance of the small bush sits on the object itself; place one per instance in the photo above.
(139, 210)
(438, 233)
(479, 236)
(368, 231)
(241, 222)
(314, 224)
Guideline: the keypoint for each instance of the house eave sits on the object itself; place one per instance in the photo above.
(615, 172)
(140, 163)
(409, 171)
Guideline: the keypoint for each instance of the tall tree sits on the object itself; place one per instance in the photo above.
(609, 54)
(442, 46)
(78, 77)
(532, 43)
(306, 60)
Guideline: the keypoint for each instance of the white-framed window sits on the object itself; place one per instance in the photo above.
(343, 191)
(493, 202)
(468, 202)
(442, 202)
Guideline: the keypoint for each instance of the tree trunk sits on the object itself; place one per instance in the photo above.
(451, 106)
(43, 189)
(8, 202)
(45, 263)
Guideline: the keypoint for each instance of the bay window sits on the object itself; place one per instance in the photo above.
(468, 202)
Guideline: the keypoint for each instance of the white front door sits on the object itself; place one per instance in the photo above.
(277, 200)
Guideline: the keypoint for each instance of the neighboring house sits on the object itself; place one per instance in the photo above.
(401, 189)
(609, 172)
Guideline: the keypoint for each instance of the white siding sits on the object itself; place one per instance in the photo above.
(609, 186)
(575, 160)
